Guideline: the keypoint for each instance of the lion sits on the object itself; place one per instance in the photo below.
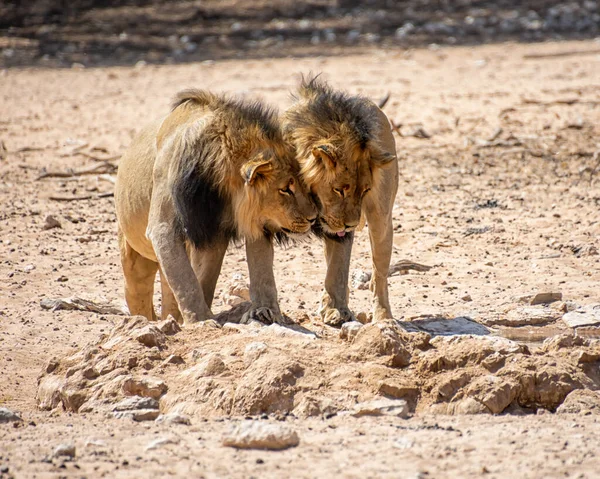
(213, 171)
(348, 161)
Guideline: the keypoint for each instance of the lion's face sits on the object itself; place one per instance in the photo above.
(339, 181)
(276, 196)
(340, 200)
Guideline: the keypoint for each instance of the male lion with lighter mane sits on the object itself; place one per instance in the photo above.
(215, 169)
(348, 161)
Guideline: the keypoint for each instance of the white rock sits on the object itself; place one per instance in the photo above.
(584, 316)
(349, 330)
(283, 332)
(360, 279)
(160, 442)
(6, 415)
(67, 450)
(173, 418)
(136, 402)
(261, 435)
(381, 407)
(138, 415)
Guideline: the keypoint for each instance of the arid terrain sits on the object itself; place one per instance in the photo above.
(499, 195)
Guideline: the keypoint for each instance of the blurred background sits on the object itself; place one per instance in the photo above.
(64, 33)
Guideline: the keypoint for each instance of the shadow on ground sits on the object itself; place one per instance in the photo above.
(56, 33)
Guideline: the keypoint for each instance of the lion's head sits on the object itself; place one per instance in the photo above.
(336, 138)
(274, 198)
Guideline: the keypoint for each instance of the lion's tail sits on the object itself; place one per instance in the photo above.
(193, 95)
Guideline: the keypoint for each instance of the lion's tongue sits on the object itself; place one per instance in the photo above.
(341, 234)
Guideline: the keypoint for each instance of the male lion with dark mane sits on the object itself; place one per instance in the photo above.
(214, 170)
(348, 161)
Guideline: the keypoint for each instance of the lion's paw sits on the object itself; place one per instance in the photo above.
(336, 317)
(263, 315)
(381, 314)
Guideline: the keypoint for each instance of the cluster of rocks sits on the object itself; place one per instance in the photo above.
(155, 371)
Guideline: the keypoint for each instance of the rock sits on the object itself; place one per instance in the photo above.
(253, 351)
(467, 406)
(64, 450)
(445, 327)
(290, 331)
(6, 415)
(232, 300)
(383, 338)
(584, 316)
(161, 442)
(586, 357)
(564, 340)
(48, 394)
(211, 365)
(136, 402)
(51, 222)
(449, 384)
(466, 298)
(545, 298)
(349, 330)
(145, 387)
(240, 289)
(525, 316)
(173, 359)
(237, 293)
(174, 418)
(581, 401)
(150, 336)
(138, 415)
(360, 279)
(363, 318)
(493, 392)
(381, 407)
(311, 407)
(169, 326)
(267, 386)
(260, 435)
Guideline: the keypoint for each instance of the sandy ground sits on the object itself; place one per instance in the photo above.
(502, 200)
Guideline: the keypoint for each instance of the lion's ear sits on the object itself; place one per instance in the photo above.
(254, 170)
(324, 153)
(382, 158)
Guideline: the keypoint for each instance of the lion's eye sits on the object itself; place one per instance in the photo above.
(339, 191)
(365, 191)
(287, 191)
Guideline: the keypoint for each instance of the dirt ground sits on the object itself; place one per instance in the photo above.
(498, 194)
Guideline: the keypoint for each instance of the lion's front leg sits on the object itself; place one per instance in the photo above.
(263, 291)
(334, 305)
(381, 235)
(173, 259)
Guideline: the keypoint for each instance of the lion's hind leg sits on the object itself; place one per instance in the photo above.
(139, 273)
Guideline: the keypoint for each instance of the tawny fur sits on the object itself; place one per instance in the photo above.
(348, 161)
(212, 170)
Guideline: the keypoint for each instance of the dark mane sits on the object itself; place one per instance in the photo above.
(201, 210)
(240, 113)
(328, 112)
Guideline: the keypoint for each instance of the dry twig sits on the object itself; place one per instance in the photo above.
(88, 170)
(568, 53)
(83, 197)
(406, 265)
(79, 304)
